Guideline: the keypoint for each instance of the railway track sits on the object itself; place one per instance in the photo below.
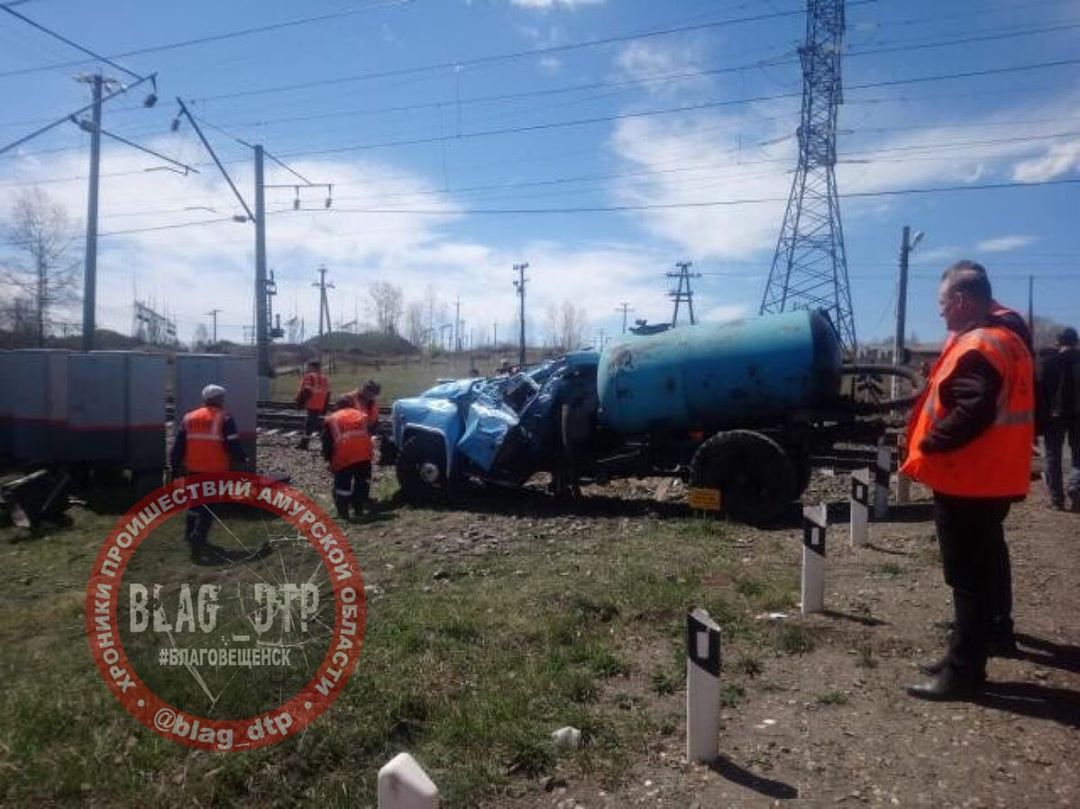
(275, 416)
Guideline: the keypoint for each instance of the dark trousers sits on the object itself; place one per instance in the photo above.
(197, 522)
(351, 487)
(1054, 434)
(312, 424)
(976, 564)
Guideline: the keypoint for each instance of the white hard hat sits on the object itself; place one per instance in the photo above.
(212, 392)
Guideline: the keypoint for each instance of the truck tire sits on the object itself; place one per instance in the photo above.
(754, 474)
(421, 468)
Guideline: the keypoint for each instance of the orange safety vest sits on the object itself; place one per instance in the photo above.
(997, 463)
(352, 442)
(320, 391)
(205, 449)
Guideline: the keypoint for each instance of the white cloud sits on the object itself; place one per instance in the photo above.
(547, 5)
(1003, 244)
(1059, 159)
(550, 64)
(649, 62)
(189, 271)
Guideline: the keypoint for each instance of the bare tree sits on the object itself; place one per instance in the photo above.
(43, 268)
(387, 299)
(414, 323)
(201, 338)
(571, 325)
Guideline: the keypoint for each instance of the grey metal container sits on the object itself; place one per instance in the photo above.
(116, 410)
(6, 376)
(37, 382)
(236, 374)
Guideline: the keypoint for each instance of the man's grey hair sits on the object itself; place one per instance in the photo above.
(969, 278)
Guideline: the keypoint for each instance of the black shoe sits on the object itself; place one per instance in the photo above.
(1003, 646)
(949, 685)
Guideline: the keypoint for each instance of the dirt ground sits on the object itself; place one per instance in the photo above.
(830, 724)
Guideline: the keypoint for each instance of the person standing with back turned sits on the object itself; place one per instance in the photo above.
(206, 441)
(1059, 403)
(970, 437)
(313, 396)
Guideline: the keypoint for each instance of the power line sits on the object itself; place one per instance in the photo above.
(187, 43)
(67, 41)
(703, 204)
(620, 116)
(503, 57)
(620, 208)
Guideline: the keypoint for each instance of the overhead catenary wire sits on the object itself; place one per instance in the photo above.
(48, 31)
(187, 43)
(503, 57)
(624, 208)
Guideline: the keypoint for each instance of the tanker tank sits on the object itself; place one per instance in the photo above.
(712, 376)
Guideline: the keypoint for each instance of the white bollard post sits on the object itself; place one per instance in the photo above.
(815, 519)
(702, 686)
(860, 507)
(903, 482)
(404, 785)
(882, 473)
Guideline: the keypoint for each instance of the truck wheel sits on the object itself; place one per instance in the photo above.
(421, 468)
(754, 474)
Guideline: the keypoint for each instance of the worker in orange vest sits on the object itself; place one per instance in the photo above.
(313, 396)
(347, 446)
(365, 398)
(206, 441)
(969, 438)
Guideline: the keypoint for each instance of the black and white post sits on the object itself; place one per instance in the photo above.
(702, 686)
(860, 507)
(882, 473)
(815, 520)
(403, 784)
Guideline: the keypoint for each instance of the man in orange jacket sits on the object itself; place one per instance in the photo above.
(346, 440)
(970, 438)
(206, 441)
(313, 396)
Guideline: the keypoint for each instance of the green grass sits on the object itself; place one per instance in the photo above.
(832, 698)
(470, 673)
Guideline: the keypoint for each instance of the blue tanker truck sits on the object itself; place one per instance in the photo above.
(736, 409)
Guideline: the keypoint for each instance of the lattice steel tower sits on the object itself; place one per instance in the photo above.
(809, 269)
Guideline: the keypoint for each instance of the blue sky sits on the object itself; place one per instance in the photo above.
(483, 107)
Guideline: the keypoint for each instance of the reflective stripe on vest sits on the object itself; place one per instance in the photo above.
(352, 442)
(320, 391)
(996, 463)
(205, 449)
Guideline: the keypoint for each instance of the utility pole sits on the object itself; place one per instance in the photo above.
(324, 303)
(520, 285)
(907, 245)
(90, 271)
(262, 346)
(809, 268)
(495, 335)
(683, 291)
(457, 324)
(213, 313)
(624, 307)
